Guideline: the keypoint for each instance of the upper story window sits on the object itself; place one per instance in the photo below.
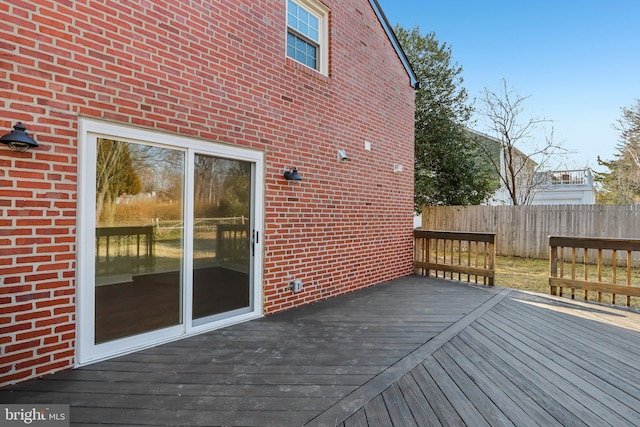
(307, 34)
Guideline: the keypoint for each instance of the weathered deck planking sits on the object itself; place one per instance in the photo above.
(532, 360)
(416, 400)
(280, 370)
(397, 406)
(485, 406)
(601, 392)
(414, 352)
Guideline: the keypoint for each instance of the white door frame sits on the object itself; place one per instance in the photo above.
(89, 130)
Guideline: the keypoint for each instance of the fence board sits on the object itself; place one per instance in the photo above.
(524, 230)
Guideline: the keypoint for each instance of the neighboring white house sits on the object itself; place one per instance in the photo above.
(560, 187)
(567, 187)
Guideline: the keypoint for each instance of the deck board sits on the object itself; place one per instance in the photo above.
(582, 351)
(416, 351)
(520, 398)
(487, 382)
(588, 388)
(418, 403)
(485, 407)
(581, 369)
(453, 392)
(397, 406)
(559, 387)
(377, 413)
(538, 386)
(600, 339)
(440, 403)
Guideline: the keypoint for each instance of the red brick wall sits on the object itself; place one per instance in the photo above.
(217, 72)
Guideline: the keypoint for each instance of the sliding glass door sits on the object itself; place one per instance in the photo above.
(221, 236)
(168, 239)
(139, 239)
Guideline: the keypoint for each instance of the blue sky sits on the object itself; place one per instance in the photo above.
(579, 61)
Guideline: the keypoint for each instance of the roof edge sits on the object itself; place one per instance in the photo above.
(396, 44)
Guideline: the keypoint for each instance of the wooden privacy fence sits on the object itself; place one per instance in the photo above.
(570, 267)
(457, 253)
(524, 230)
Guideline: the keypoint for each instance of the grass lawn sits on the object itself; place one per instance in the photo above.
(526, 274)
(533, 275)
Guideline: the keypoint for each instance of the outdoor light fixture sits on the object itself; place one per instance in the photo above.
(292, 175)
(342, 155)
(18, 140)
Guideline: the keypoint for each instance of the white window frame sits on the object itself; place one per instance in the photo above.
(89, 130)
(321, 12)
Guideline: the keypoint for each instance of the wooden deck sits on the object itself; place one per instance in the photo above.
(413, 352)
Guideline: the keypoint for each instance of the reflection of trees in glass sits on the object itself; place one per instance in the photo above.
(115, 175)
(222, 187)
(137, 183)
(160, 170)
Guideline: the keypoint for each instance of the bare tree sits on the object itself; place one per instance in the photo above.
(523, 158)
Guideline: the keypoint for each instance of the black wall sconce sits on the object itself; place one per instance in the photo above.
(292, 175)
(18, 140)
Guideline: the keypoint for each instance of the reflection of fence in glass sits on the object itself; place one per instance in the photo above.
(217, 240)
(233, 243)
(122, 250)
(131, 250)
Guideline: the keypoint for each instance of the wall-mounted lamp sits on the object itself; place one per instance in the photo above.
(18, 140)
(342, 156)
(292, 175)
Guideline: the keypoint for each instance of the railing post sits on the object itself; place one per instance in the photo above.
(492, 258)
(417, 254)
(426, 254)
(553, 266)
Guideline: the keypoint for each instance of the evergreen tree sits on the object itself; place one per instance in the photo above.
(115, 176)
(447, 170)
(621, 185)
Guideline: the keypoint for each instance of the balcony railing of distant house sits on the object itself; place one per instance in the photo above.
(456, 255)
(565, 177)
(595, 267)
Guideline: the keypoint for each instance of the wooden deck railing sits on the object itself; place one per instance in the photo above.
(574, 268)
(457, 253)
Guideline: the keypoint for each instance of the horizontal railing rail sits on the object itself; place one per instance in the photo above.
(456, 253)
(571, 266)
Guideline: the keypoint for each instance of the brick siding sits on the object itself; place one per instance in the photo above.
(216, 71)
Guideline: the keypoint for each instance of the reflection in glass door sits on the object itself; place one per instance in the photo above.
(168, 237)
(221, 237)
(139, 239)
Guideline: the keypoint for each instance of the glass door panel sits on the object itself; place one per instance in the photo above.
(221, 236)
(139, 239)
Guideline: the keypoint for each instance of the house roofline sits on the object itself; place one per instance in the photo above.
(498, 141)
(382, 18)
